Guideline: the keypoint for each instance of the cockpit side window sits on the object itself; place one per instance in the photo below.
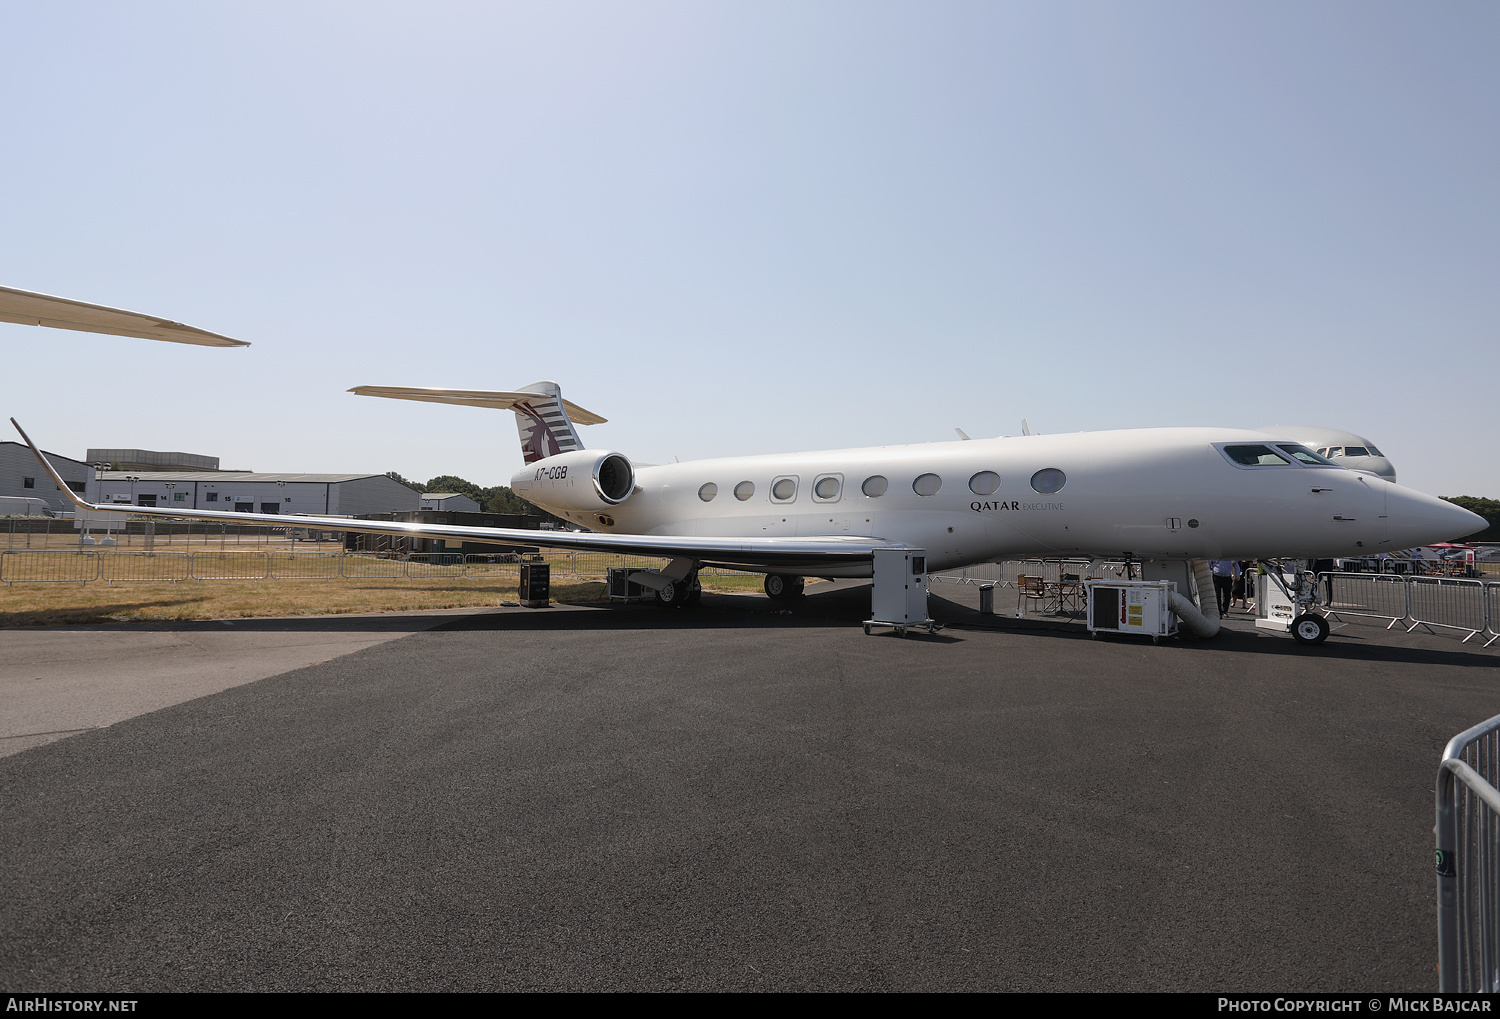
(1255, 456)
(1374, 451)
(1305, 455)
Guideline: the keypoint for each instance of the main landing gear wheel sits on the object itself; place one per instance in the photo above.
(780, 587)
(678, 593)
(1309, 628)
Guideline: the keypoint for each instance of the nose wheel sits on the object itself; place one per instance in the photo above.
(1309, 628)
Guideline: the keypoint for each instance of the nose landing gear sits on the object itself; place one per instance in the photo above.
(1278, 599)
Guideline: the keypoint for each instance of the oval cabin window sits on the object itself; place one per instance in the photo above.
(1048, 480)
(875, 486)
(927, 484)
(708, 491)
(984, 483)
(744, 490)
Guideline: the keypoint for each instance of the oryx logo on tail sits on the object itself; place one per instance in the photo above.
(543, 423)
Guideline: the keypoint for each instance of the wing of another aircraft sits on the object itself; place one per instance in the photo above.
(30, 309)
(791, 555)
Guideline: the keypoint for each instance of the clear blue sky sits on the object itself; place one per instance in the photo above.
(751, 227)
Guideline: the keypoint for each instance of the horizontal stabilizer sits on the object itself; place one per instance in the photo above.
(474, 398)
(25, 308)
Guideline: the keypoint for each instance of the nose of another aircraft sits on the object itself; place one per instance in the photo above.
(1379, 465)
(1415, 519)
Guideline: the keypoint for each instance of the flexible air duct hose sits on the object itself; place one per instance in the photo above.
(1205, 621)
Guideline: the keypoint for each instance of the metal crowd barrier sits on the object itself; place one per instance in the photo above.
(1366, 594)
(1469, 605)
(117, 567)
(48, 567)
(1468, 861)
(1441, 601)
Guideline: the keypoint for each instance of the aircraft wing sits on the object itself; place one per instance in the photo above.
(790, 555)
(30, 309)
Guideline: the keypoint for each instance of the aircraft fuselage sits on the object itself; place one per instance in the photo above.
(1164, 493)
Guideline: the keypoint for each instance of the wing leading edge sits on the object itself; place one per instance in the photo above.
(756, 554)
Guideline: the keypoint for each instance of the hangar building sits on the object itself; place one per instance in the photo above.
(22, 480)
(450, 502)
(341, 495)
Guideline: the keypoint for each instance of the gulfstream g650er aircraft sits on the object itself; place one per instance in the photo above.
(1172, 494)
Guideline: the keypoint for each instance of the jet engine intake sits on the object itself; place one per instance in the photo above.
(585, 479)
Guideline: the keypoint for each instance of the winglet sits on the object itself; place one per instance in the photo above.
(56, 477)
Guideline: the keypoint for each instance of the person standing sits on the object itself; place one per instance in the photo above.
(1244, 585)
(1225, 570)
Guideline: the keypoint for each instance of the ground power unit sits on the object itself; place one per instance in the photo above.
(1130, 606)
(898, 598)
(621, 588)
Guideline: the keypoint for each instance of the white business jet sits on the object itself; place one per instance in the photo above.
(1159, 494)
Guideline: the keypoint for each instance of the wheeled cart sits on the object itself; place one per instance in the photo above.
(1130, 606)
(898, 598)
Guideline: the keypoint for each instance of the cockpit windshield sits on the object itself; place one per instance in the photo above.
(1257, 456)
(1305, 455)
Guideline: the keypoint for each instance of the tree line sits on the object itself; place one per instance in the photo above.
(1487, 508)
(495, 499)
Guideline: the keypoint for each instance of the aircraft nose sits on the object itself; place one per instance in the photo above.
(1415, 519)
(1381, 466)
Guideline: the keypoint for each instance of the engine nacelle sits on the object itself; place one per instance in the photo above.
(585, 479)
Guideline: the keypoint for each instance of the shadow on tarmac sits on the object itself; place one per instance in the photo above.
(1376, 646)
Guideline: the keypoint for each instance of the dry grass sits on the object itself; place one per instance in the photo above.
(97, 602)
(51, 604)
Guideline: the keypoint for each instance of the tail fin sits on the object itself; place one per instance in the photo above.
(544, 419)
(543, 423)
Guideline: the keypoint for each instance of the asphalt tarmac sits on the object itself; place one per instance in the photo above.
(731, 798)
